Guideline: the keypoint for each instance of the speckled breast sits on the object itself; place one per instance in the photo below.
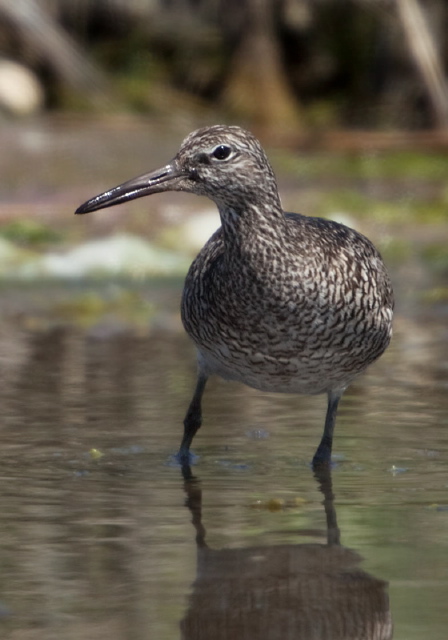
(301, 328)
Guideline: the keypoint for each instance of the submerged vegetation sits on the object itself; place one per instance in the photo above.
(29, 232)
(420, 166)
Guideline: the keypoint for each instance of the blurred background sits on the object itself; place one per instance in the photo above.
(350, 100)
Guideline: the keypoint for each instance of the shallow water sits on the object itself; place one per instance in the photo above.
(102, 537)
(100, 534)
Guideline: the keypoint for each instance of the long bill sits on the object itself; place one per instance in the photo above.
(163, 179)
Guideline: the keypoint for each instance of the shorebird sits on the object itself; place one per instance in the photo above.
(279, 301)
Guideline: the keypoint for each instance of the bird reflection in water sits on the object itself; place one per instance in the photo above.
(283, 592)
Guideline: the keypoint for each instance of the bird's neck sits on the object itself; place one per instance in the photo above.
(251, 227)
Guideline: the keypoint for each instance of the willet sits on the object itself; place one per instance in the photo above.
(279, 301)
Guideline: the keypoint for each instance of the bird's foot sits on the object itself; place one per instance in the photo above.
(186, 457)
(322, 460)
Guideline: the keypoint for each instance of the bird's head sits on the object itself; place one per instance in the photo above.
(225, 163)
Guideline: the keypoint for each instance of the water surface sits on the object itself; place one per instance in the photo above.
(102, 537)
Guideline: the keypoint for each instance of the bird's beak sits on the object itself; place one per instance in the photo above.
(164, 179)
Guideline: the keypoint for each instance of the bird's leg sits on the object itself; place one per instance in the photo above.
(323, 453)
(193, 419)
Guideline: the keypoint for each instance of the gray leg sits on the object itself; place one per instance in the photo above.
(193, 419)
(323, 453)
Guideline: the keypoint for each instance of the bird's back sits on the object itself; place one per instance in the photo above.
(304, 312)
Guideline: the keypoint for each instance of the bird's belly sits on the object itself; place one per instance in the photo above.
(310, 349)
(266, 373)
(295, 366)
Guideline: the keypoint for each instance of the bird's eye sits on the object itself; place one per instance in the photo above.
(222, 152)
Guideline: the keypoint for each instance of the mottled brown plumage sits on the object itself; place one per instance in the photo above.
(279, 301)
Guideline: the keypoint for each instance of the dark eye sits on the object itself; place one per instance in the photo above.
(222, 152)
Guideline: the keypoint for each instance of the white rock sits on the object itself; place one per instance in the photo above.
(121, 254)
(20, 91)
